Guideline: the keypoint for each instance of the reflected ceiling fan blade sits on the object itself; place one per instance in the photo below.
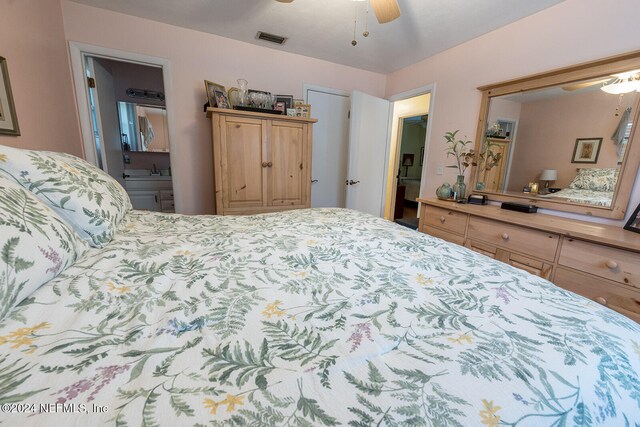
(285, 1)
(386, 10)
(571, 88)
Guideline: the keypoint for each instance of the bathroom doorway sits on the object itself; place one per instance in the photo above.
(128, 117)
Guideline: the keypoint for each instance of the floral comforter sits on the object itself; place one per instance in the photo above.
(309, 318)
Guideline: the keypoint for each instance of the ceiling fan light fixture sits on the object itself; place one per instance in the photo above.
(623, 83)
(386, 10)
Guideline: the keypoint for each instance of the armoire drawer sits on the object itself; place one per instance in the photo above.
(536, 243)
(445, 219)
(610, 263)
(623, 299)
(443, 234)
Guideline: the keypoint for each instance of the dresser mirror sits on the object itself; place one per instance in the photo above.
(143, 127)
(563, 140)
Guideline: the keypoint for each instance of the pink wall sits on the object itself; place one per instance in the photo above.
(571, 32)
(548, 130)
(32, 41)
(196, 56)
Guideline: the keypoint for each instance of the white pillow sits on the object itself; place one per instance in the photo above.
(35, 245)
(91, 201)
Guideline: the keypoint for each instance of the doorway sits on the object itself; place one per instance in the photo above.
(408, 151)
(412, 136)
(124, 104)
(356, 147)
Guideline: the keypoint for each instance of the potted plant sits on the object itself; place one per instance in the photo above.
(464, 156)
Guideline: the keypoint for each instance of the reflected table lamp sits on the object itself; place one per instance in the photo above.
(548, 175)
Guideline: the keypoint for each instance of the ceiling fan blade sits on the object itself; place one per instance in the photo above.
(571, 88)
(386, 10)
(285, 1)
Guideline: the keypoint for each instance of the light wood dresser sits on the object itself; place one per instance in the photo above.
(261, 162)
(597, 261)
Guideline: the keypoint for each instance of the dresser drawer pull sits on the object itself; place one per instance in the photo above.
(264, 164)
(505, 236)
(442, 219)
(611, 264)
(601, 300)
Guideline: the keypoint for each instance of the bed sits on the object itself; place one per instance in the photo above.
(308, 317)
(593, 186)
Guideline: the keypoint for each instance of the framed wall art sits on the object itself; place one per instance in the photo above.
(8, 118)
(586, 150)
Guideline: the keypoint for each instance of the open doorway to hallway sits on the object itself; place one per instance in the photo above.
(407, 156)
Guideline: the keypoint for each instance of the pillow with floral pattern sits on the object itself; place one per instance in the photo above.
(35, 244)
(90, 200)
(595, 179)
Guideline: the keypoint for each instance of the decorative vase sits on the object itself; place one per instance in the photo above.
(459, 188)
(242, 91)
(444, 192)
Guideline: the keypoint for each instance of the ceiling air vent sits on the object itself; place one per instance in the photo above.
(272, 38)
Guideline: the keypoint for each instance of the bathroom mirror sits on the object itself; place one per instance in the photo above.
(143, 127)
(562, 140)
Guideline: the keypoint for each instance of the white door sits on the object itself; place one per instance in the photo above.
(330, 147)
(368, 146)
(106, 111)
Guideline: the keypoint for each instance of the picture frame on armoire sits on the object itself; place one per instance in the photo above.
(634, 221)
(8, 117)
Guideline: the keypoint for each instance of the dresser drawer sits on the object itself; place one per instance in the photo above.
(523, 262)
(168, 205)
(536, 243)
(443, 234)
(445, 219)
(611, 263)
(166, 195)
(623, 299)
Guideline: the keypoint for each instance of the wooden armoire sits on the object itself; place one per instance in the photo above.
(261, 162)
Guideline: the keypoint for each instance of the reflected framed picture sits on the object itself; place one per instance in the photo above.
(8, 118)
(211, 89)
(634, 221)
(586, 150)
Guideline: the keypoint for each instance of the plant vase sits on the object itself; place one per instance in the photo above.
(460, 188)
(444, 192)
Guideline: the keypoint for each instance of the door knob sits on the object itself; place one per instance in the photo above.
(264, 164)
(270, 164)
(314, 180)
(352, 182)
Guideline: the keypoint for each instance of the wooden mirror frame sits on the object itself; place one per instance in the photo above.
(573, 74)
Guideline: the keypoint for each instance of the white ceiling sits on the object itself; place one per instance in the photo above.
(324, 28)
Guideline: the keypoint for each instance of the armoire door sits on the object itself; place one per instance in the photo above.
(287, 171)
(243, 151)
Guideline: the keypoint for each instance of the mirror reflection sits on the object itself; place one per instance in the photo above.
(563, 143)
(143, 127)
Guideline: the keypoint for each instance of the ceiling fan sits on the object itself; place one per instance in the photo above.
(616, 84)
(385, 10)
